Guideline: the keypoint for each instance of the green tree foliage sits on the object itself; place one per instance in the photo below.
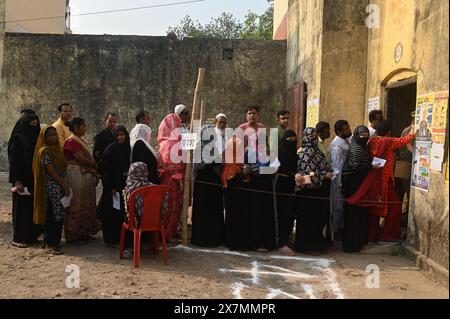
(226, 26)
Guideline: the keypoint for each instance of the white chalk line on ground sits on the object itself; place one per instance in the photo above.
(255, 277)
(309, 290)
(237, 287)
(276, 292)
(324, 262)
(320, 264)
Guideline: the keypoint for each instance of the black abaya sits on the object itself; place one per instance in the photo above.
(114, 165)
(356, 219)
(285, 208)
(286, 205)
(142, 154)
(324, 193)
(310, 222)
(238, 218)
(262, 212)
(208, 226)
(101, 142)
(20, 154)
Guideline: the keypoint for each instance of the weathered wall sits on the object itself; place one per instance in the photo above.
(397, 25)
(421, 26)
(304, 52)
(123, 74)
(327, 49)
(344, 62)
(2, 87)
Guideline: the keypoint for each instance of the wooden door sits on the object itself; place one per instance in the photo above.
(295, 104)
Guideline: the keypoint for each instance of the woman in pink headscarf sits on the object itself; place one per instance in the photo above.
(170, 170)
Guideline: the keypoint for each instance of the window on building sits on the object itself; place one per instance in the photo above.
(227, 55)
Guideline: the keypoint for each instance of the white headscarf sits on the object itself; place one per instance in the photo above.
(221, 115)
(141, 132)
(179, 108)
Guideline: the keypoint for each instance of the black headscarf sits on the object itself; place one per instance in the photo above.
(21, 147)
(358, 153)
(28, 131)
(115, 160)
(125, 147)
(287, 153)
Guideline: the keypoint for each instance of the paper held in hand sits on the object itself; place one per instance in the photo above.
(25, 192)
(306, 179)
(116, 201)
(67, 199)
(378, 161)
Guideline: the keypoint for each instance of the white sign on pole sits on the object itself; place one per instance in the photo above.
(189, 141)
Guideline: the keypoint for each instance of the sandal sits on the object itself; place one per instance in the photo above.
(286, 251)
(19, 245)
(263, 250)
(53, 251)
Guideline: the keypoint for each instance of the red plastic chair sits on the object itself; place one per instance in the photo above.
(151, 221)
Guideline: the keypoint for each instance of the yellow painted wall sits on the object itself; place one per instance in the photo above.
(31, 9)
(327, 49)
(422, 28)
(344, 62)
(397, 25)
(304, 58)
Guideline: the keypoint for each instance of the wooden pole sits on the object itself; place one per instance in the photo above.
(202, 114)
(188, 174)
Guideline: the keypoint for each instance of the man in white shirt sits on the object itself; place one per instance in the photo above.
(221, 124)
(338, 149)
(375, 116)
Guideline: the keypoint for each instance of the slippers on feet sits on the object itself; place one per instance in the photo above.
(53, 251)
(286, 251)
(19, 245)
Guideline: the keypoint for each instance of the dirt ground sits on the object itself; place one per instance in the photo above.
(194, 272)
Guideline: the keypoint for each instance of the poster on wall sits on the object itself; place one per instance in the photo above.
(424, 117)
(312, 113)
(437, 157)
(440, 117)
(373, 104)
(439, 125)
(421, 165)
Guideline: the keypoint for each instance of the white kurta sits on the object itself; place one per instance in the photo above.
(338, 150)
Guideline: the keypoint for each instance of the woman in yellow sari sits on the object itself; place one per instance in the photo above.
(82, 222)
(49, 169)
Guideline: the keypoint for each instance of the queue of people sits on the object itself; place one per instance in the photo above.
(316, 195)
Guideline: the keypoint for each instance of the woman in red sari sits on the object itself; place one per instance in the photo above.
(171, 173)
(378, 190)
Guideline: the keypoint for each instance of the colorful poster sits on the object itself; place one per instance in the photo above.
(440, 117)
(312, 113)
(424, 117)
(421, 165)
